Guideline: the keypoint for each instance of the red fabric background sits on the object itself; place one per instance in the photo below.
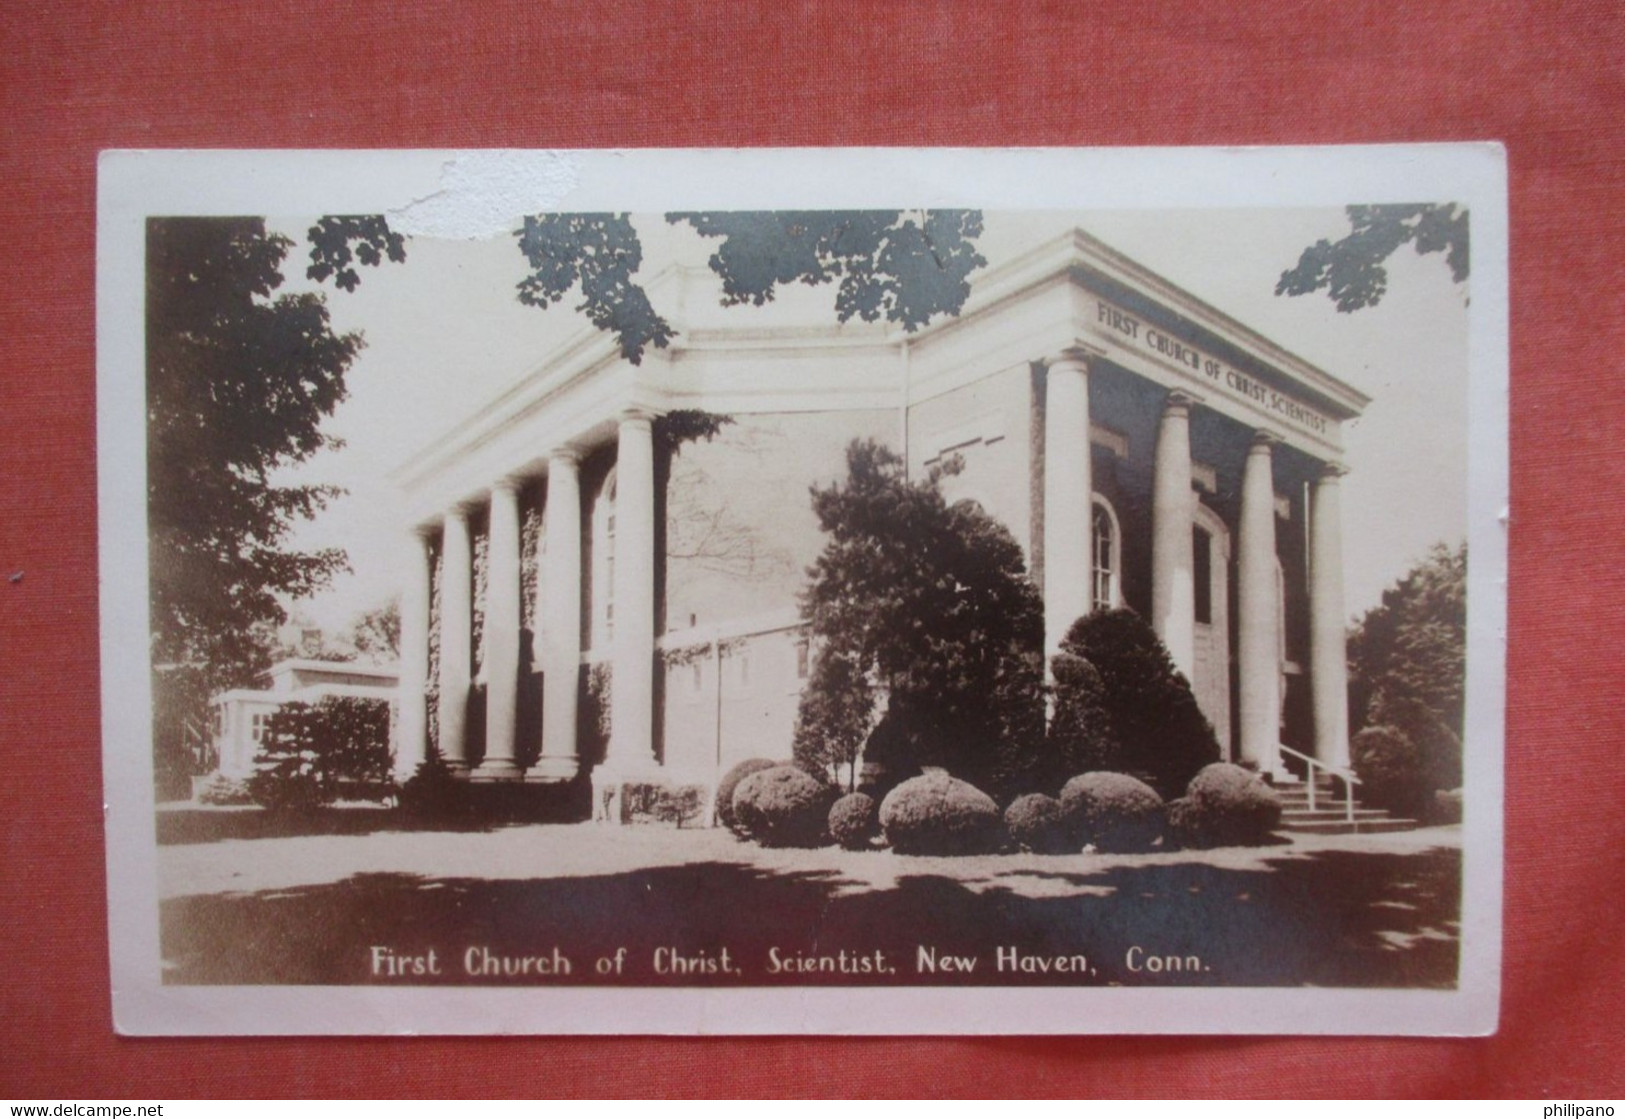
(76, 77)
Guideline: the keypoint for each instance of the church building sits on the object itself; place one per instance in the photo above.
(586, 604)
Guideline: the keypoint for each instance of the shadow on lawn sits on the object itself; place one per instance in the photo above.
(1329, 919)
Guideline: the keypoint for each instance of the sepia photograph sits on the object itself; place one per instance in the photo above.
(779, 592)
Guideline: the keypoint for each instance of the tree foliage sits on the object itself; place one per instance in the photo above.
(239, 380)
(905, 266)
(1136, 710)
(597, 254)
(673, 429)
(931, 602)
(331, 255)
(836, 714)
(1413, 646)
(908, 266)
(376, 633)
(1407, 681)
(1350, 270)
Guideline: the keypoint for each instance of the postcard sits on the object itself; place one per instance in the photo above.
(804, 591)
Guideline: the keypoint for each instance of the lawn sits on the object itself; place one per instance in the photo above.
(349, 896)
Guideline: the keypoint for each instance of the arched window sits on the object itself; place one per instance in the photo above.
(1107, 542)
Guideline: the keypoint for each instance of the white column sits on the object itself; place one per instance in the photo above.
(1173, 589)
(631, 744)
(1260, 654)
(412, 726)
(559, 620)
(456, 638)
(1328, 643)
(1068, 506)
(502, 618)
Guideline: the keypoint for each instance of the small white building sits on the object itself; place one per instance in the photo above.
(240, 714)
(1144, 448)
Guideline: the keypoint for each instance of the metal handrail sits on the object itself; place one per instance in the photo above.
(1341, 772)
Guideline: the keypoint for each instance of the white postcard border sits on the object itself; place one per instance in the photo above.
(134, 185)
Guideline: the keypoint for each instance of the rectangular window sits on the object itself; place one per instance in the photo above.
(1202, 573)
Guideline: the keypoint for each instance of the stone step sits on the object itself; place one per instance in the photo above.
(1320, 802)
(1330, 816)
(1339, 813)
(1343, 827)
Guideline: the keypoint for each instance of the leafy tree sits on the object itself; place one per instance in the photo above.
(1136, 711)
(1413, 646)
(1407, 680)
(1350, 270)
(1435, 747)
(933, 602)
(376, 633)
(239, 380)
(837, 713)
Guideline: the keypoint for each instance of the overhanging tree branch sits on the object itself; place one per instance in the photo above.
(1350, 270)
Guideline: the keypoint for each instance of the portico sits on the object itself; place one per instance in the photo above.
(1143, 448)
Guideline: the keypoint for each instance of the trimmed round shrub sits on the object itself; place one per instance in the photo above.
(1390, 769)
(783, 807)
(936, 814)
(1227, 806)
(854, 821)
(1114, 811)
(1039, 824)
(730, 783)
